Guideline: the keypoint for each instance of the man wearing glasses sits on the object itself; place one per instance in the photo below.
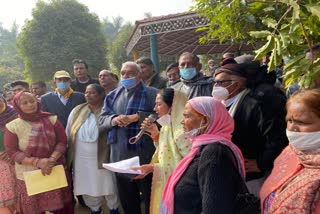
(251, 132)
(193, 82)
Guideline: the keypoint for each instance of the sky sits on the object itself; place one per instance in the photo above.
(129, 10)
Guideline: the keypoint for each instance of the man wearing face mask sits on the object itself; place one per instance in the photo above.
(61, 101)
(252, 134)
(125, 108)
(193, 82)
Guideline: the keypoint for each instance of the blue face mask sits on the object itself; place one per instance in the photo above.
(128, 83)
(63, 86)
(188, 73)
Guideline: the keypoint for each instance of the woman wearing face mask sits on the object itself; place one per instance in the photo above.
(209, 178)
(171, 145)
(8, 197)
(294, 185)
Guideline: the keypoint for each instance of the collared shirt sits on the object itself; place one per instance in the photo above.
(230, 101)
(62, 99)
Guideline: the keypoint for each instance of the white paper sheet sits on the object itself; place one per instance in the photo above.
(124, 166)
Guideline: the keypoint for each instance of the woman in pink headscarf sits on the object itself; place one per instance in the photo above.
(209, 178)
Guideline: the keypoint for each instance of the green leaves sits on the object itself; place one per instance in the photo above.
(314, 9)
(59, 32)
(266, 48)
(271, 23)
(259, 34)
(286, 27)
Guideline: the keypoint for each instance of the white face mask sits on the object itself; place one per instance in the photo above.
(194, 132)
(164, 120)
(220, 93)
(304, 141)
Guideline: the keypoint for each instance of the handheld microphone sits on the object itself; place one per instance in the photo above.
(151, 118)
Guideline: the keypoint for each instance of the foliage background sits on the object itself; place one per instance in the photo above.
(59, 32)
(286, 28)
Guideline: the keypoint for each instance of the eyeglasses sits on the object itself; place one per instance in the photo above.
(220, 82)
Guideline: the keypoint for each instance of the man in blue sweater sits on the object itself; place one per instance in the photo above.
(61, 101)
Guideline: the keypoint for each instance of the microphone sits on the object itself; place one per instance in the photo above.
(151, 118)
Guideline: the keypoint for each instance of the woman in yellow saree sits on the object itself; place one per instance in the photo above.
(170, 142)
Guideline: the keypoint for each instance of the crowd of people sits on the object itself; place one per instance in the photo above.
(225, 140)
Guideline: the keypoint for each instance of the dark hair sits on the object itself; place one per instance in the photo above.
(228, 61)
(194, 57)
(80, 61)
(172, 65)
(308, 97)
(40, 83)
(228, 55)
(23, 83)
(167, 95)
(99, 89)
(144, 60)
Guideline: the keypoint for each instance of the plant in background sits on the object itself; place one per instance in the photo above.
(285, 27)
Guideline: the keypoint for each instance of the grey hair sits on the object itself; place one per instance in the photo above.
(133, 64)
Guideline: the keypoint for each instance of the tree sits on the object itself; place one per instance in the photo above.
(7, 75)
(111, 29)
(8, 51)
(286, 27)
(59, 32)
(117, 53)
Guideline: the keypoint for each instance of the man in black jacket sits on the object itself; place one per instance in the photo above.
(193, 82)
(254, 132)
(80, 70)
(149, 76)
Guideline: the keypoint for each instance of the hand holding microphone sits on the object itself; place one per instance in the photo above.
(151, 119)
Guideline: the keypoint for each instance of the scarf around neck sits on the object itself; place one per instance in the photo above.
(29, 117)
(294, 181)
(80, 115)
(42, 141)
(219, 130)
(66, 95)
(237, 102)
(137, 102)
